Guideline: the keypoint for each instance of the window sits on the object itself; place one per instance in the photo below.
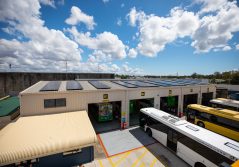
(60, 102)
(231, 124)
(191, 114)
(48, 103)
(51, 103)
(213, 118)
(203, 115)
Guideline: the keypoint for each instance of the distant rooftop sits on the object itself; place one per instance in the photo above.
(110, 84)
(8, 106)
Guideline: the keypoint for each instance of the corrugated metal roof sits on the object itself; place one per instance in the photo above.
(38, 136)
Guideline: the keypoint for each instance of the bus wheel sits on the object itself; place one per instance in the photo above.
(201, 124)
(199, 164)
(149, 132)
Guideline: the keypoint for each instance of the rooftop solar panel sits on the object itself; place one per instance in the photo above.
(51, 86)
(141, 84)
(99, 85)
(157, 83)
(166, 83)
(73, 85)
(127, 85)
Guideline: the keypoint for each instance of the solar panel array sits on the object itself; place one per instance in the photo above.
(73, 85)
(51, 86)
(99, 85)
(157, 83)
(127, 85)
(140, 83)
(178, 82)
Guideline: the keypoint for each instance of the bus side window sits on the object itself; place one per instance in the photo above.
(204, 116)
(229, 123)
(213, 118)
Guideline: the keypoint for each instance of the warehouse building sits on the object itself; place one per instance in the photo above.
(114, 104)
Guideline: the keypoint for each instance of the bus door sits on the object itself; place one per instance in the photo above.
(172, 139)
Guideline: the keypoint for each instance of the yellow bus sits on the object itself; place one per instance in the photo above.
(221, 121)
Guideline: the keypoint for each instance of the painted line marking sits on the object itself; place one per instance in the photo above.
(153, 162)
(101, 164)
(139, 158)
(122, 158)
(142, 164)
(101, 143)
(111, 163)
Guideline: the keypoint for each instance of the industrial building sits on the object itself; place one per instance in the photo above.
(113, 104)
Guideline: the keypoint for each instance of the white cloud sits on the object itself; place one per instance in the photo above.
(99, 56)
(44, 49)
(77, 16)
(119, 22)
(216, 30)
(237, 47)
(210, 5)
(210, 29)
(135, 16)
(129, 70)
(115, 68)
(226, 48)
(132, 53)
(155, 32)
(48, 2)
(106, 42)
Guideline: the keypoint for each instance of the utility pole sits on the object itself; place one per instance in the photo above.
(66, 68)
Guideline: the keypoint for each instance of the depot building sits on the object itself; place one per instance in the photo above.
(114, 104)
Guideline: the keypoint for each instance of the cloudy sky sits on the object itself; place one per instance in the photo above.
(152, 37)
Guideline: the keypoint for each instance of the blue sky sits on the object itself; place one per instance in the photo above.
(125, 37)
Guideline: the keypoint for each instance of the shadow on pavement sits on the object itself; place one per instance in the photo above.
(163, 154)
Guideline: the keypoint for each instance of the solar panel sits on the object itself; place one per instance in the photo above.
(73, 85)
(172, 82)
(99, 85)
(166, 83)
(51, 86)
(141, 84)
(127, 85)
(158, 83)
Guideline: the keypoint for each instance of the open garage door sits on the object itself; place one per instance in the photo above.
(134, 109)
(189, 99)
(206, 97)
(105, 116)
(169, 104)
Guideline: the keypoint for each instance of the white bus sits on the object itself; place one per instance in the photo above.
(197, 146)
(225, 103)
